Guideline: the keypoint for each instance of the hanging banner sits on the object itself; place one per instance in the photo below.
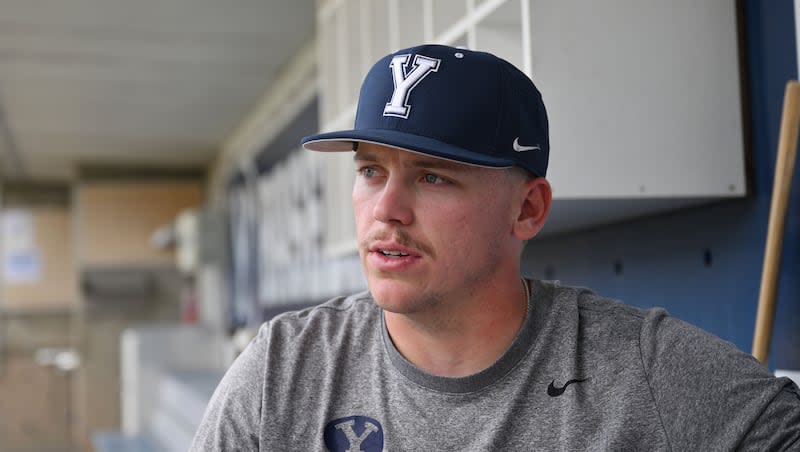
(21, 267)
(21, 259)
(17, 230)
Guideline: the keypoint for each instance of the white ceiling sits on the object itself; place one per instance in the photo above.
(146, 82)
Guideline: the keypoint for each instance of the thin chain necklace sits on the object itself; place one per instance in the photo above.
(526, 288)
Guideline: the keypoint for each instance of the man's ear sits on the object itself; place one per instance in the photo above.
(534, 209)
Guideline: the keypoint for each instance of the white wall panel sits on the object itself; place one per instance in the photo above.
(643, 97)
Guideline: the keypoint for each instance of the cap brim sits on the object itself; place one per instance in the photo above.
(344, 140)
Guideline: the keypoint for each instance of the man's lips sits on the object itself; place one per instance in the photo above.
(392, 249)
(392, 258)
(394, 243)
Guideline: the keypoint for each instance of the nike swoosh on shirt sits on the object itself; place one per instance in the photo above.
(553, 391)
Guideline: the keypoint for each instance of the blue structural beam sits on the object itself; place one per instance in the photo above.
(704, 264)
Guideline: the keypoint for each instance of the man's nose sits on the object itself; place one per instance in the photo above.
(394, 203)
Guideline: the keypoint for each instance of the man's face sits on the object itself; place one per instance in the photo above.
(431, 230)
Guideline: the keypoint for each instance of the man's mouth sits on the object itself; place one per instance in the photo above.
(392, 253)
(390, 256)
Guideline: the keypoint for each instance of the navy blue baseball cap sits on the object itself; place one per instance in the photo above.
(456, 104)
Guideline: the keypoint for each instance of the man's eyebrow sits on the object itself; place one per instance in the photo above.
(364, 157)
(438, 163)
(431, 162)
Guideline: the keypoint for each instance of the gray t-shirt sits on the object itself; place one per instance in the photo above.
(584, 373)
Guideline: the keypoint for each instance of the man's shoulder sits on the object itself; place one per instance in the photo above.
(605, 316)
(324, 322)
(594, 307)
(337, 307)
(652, 328)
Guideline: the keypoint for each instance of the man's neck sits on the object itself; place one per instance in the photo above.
(467, 337)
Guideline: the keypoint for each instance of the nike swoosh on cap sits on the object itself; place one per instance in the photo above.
(520, 148)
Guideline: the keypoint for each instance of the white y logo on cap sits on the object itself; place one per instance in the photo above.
(404, 83)
(520, 148)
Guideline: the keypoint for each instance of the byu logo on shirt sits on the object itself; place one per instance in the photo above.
(354, 434)
(404, 82)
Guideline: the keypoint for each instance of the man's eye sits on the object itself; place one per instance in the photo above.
(368, 171)
(433, 179)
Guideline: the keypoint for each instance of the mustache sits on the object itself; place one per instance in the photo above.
(401, 237)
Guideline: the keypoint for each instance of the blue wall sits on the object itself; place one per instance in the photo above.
(704, 264)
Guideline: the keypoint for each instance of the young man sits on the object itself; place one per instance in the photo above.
(451, 349)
